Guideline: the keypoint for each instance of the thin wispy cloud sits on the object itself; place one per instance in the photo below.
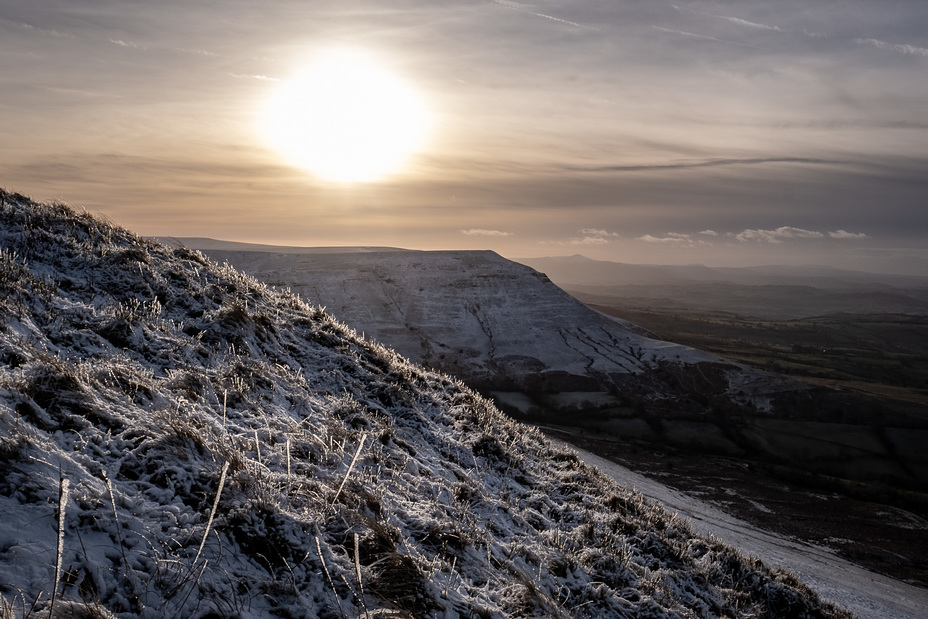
(48, 31)
(485, 232)
(589, 240)
(198, 52)
(675, 238)
(749, 24)
(844, 234)
(778, 235)
(593, 236)
(254, 77)
(598, 232)
(816, 35)
(735, 20)
(527, 8)
(693, 35)
(122, 43)
(908, 50)
(669, 238)
(558, 19)
(512, 5)
(711, 163)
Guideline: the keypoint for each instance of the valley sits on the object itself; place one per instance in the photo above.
(884, 355)
(870, 533)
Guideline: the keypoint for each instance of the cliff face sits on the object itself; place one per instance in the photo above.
(177, 439)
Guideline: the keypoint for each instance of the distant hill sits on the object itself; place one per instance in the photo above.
(776, 292)
(581, 270)
(180, 440)
(214, 244)
(504, 327)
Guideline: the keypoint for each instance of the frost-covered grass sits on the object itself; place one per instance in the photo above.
(229, 450)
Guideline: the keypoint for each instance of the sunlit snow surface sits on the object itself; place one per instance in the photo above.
(478, 302)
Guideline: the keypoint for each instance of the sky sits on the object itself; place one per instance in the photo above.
(715, 132)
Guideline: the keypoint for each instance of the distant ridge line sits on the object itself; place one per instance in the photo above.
(206, 243)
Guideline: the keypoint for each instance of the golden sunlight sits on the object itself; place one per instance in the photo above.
(346, 119)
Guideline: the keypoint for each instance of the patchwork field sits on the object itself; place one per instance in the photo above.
(884, 355)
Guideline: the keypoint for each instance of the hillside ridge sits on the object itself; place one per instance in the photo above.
(178, 439)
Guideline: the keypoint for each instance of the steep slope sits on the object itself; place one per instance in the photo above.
(177, 439)
(503, 327)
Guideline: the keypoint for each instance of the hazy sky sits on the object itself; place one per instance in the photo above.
(720, 132)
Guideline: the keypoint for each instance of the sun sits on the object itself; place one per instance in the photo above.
(345, 118)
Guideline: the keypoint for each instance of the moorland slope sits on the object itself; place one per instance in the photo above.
(178, 439)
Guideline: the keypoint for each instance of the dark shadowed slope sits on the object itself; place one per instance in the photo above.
(199, 445)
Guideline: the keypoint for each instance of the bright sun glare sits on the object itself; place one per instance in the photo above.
(346, 119)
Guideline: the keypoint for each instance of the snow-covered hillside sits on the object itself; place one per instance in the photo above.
(177, 439)
(503, 327)
(545, 357)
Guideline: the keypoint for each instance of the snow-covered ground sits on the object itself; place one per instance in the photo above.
(864, 593)
(178, 439)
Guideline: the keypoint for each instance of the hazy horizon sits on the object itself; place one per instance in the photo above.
(701, 132)
(209, 243)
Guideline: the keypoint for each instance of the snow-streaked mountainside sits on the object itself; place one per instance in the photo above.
(504, 327)
(179, 440)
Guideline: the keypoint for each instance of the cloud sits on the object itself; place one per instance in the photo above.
(778, 235)
(484, 232)
(734, 20)
(254, 77)
(597, 232)
(593, 236)
(198, 52)
(749, 24)
(670, 237)
(710, 163)
(122, 43)
(709, 233)
(693, 35)
(589, 240)
(844, 234)
(908, 50)
(54, 33)
(512, 5)
(526, 8)
(816, 35)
